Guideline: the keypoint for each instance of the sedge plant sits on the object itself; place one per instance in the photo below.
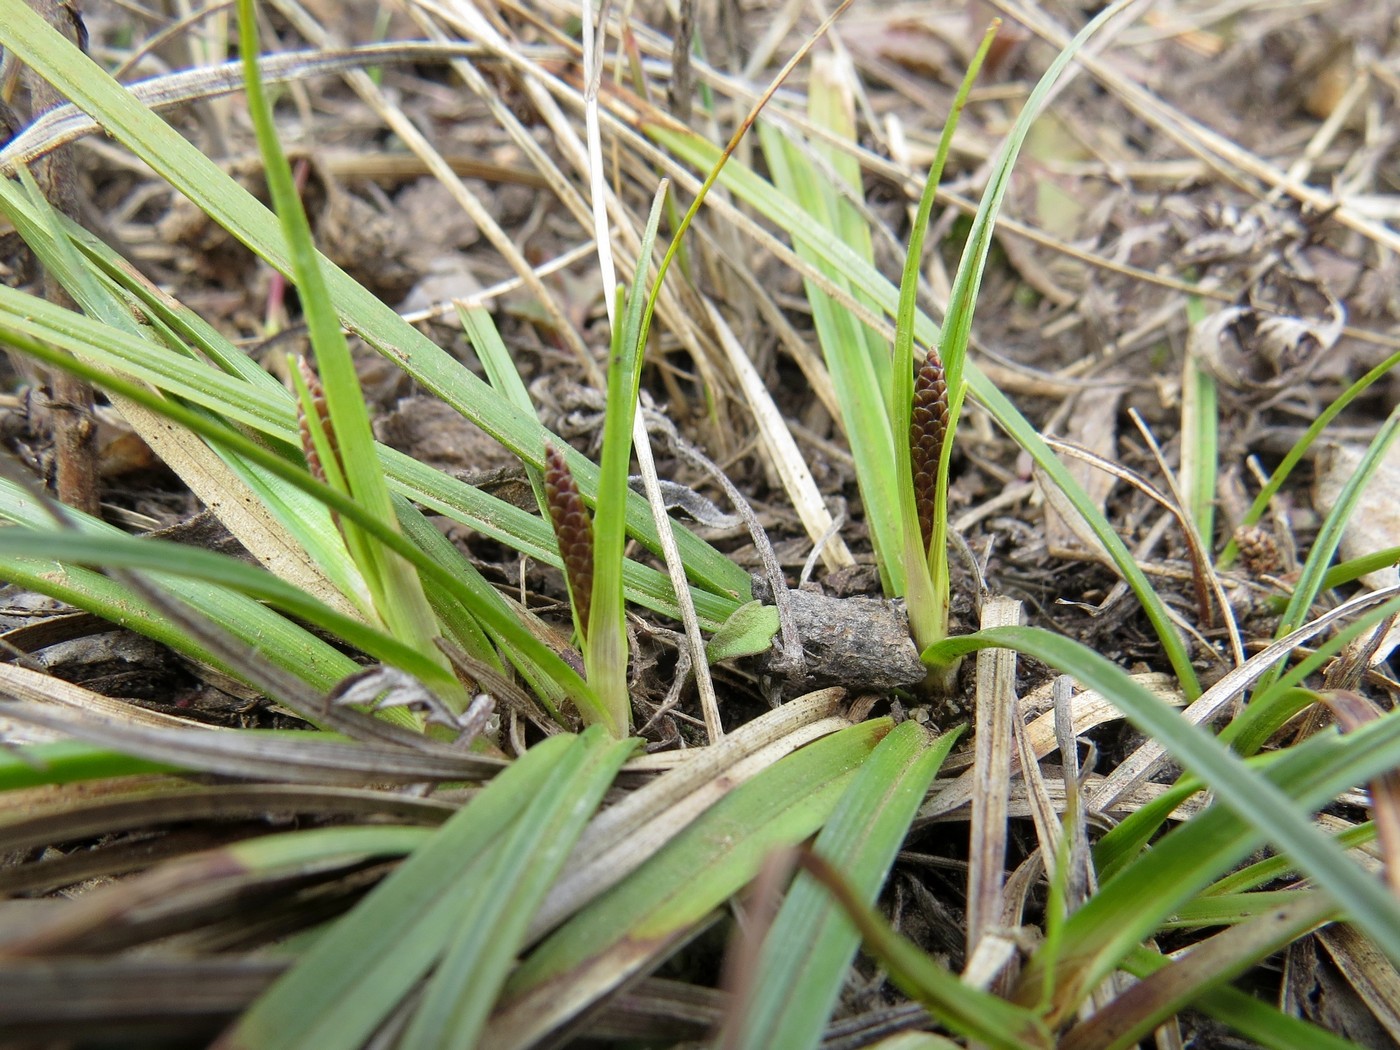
(348, 981)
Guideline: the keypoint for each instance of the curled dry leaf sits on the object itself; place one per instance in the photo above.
(1259, 352)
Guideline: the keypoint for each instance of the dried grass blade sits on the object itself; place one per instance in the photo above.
(996, 707)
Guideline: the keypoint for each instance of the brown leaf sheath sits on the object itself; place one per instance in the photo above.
(573, 528)
(928, 428)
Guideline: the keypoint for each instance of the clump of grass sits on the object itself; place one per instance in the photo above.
(476, 893)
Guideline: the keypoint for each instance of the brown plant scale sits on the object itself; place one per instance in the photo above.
(573, 528)
(928, 428)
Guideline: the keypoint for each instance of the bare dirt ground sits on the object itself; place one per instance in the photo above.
(1238, 211)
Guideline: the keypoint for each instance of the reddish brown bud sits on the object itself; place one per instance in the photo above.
(318, 402)
(928, 428)
(573, 529)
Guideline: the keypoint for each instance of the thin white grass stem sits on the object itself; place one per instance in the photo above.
(781, 447)
(1048, 831)
(704, 684)
(597, 186)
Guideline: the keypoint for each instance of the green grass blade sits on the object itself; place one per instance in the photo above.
(1266, 712)
(35, 326)
(116, 550)
(774, 206)
(397, 590)
(962, 299)
(657, 907)
(1132, 903)
(68, 762)
(855, 356)
(808, 950)
(499, 618)
(1199, 440)
(101, 300)
(1256, 1020)
(1258, 801)
(490, 932)
(925, 567)
(1354, 568)
(1025, 435)
(1168, 989)
(281, 642)
(1328, 537)
(981, 1016)
(351, 978)
(74, 75)
(1300, 449)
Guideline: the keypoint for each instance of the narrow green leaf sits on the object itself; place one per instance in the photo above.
(396, 589)
(500, 621)
(808, 950)
(1169, 989)
(491, 929)
(116, 550)
(297, 849)
(1260, 1022)
(76, 76)
(1199, 439)
(656, 908)
(1300, 449)
(855, 356)
(361, 968)
(1328, 537)
(1354, 568)
(1258, 800)
(925, 565)
(32, 325)
(68, 762)
(777, 208)
(981, 1016)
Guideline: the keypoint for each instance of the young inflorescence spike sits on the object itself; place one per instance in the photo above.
(573, 528)
(928, 428)
(318, 402)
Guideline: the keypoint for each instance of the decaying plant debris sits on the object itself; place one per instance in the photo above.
(1208, 200)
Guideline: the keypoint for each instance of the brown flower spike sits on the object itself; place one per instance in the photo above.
(318, 402)
(573, 528)
(928, 428)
